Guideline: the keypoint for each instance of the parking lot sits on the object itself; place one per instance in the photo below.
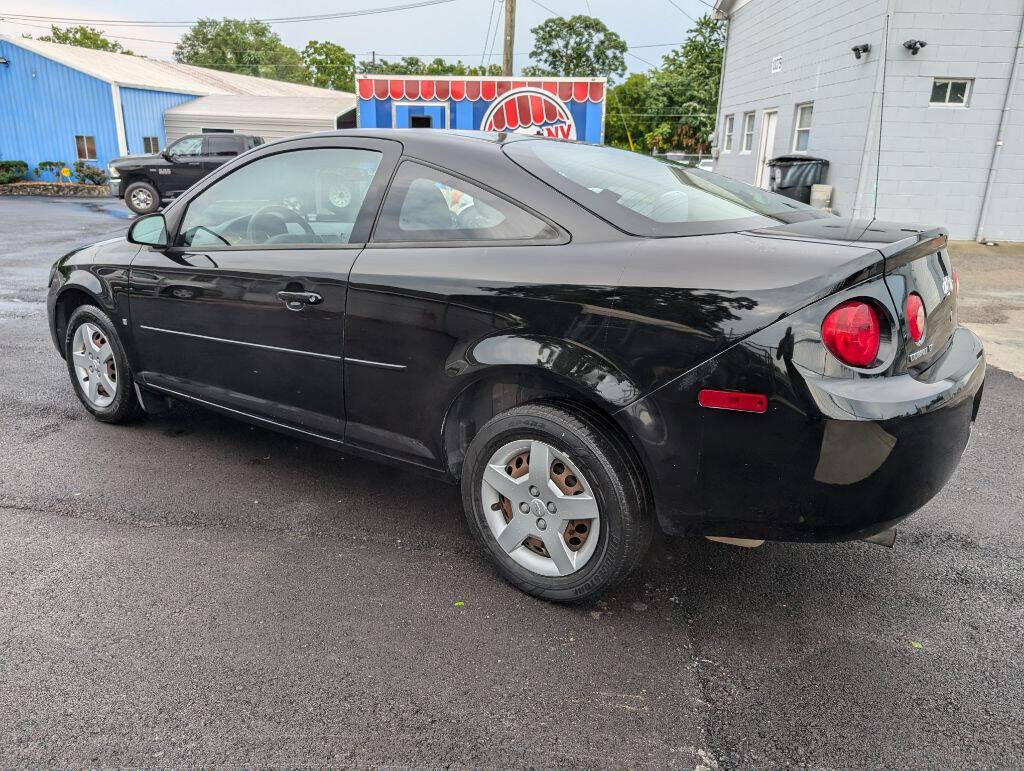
(191, 590)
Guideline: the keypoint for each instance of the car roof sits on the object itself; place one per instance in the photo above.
(428, 141)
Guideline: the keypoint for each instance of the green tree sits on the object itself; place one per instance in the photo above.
(672, 107)
(685, 90)
(579, 46)
(413, 65)
(329, 65)
(246, 47)
(83, 37)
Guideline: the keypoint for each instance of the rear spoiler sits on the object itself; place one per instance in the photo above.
(906, 250)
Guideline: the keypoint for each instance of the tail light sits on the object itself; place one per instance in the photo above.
(852, 333)
(956, 285)
(916, 316)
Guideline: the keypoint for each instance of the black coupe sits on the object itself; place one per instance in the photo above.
(595, 342)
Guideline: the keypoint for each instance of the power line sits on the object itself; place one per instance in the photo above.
(649, 64)
(442, 54)
(275, 20)
(553, 13)
(688, 16)
(487, 34)
(494, 36)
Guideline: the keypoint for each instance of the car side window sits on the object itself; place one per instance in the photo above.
(301, 197)
(223, 146)
(424, 204)
(187, 146)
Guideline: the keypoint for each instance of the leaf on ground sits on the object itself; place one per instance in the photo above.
(916, 645)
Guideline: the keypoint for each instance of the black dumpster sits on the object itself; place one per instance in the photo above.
(793, 175)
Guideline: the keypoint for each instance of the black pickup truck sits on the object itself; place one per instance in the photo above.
(146, 181)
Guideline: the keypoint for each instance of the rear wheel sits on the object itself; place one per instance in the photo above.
(557, 501)
(142, 198)
(98, 367)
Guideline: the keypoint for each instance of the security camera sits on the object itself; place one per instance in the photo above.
(914, 46)
(863, 48)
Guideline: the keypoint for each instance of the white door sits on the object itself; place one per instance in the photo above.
(762, 175)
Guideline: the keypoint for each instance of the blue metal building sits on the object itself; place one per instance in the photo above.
(64, 103)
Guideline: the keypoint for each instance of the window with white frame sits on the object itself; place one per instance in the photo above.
(950, 91)
(802, 127)
(727, 134)
(151, 144)
(748, 133)
(85, 147)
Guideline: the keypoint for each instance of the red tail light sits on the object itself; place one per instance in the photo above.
(956, 284)
(916, 315)
(852, 333)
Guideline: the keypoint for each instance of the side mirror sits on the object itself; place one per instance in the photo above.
(149, 230)
(167, 156)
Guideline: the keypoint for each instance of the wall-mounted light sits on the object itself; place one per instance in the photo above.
(862, 49)
(3, 60)
(914, 46)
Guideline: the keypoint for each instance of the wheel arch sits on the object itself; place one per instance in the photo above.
(73, 295)
(502, 387)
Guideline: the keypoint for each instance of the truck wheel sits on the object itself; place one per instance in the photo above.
(142, 198)
(557, 500)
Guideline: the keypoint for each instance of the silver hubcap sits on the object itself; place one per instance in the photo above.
(540, 508)
(340, 197)
(93, 360)
(141, 199)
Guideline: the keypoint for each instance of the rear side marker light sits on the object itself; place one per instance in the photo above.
(852, 333)
(732, 400)
(915, 316)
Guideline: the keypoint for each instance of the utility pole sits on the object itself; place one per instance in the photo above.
(510, 36)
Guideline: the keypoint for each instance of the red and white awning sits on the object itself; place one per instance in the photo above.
(474, 89)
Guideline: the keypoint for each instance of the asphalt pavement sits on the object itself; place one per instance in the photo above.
(189, 590)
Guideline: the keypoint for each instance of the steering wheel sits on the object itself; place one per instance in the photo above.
(282, 214)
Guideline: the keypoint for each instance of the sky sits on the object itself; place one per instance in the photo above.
(454, 30)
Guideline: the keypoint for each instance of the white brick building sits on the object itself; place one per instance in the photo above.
(908, 136)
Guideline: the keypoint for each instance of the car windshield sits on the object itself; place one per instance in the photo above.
(646, 196)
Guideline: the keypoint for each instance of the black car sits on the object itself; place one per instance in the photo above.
(595, 342)
(146, 181)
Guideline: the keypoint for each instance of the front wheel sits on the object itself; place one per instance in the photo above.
(557, 501)
(99, 368)
(142, 198)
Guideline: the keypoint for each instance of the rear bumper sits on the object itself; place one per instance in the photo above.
(832, 459)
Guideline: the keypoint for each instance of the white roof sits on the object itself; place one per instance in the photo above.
(328, 106)
(158, 75)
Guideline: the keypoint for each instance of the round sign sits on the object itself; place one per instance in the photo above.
(530, 111)
(65, 172)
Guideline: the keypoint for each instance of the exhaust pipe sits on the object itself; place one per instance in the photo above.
(885, 537)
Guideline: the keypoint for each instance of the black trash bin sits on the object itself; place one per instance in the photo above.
(793, 175)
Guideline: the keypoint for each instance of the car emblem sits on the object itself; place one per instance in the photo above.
(947, 286)
(530, 110)
(918, 354)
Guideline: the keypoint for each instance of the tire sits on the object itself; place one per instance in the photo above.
(605, 464)
(142, 198)
(111, 367)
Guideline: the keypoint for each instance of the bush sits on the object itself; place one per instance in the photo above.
(86, 172)
(49, 167)
(12, 171)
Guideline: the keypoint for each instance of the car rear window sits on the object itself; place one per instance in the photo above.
(646, 196)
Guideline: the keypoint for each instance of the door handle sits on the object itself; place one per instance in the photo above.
(295, 300)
